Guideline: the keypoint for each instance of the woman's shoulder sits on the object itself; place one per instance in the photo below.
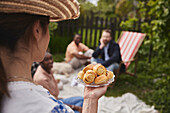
(28, 98)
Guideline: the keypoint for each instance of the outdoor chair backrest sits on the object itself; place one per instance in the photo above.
(129, 43)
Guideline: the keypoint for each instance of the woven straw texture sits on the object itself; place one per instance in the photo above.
(57, 9)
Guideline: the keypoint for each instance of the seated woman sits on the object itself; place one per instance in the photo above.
(44, 76)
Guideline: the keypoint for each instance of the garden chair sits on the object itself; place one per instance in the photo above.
(129, 43)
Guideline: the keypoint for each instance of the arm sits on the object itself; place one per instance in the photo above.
(98, 50)
(81, 56)
(114, 58)
(90, 105)
(91, 96)
(73, 107)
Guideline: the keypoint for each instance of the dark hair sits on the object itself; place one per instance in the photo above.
(109, 31)
(77, 34)
(14, 26)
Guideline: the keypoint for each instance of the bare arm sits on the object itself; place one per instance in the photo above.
(81, 56)
(91, 96)
(90, 105)
(73, 107)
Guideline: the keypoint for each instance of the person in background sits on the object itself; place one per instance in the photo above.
(74, 52)
(44, 77)
(109, 52)
(24, 38)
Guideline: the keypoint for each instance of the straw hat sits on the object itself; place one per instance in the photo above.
(57, 9)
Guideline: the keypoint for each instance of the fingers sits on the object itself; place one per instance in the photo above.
(101, 40)
(95, 91)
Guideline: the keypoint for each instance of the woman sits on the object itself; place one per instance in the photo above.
(44, 77)
(24, 38)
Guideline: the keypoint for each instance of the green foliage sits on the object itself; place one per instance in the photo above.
(123, 7)
(59, 57)
(58, 44)
(159, 96)
(86, 8)
(104, 8)
(127, 25)
(157, 30)
(52, 28)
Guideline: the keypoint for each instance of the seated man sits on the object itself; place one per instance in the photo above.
(44, 76)
(109, 52)
(74, 52)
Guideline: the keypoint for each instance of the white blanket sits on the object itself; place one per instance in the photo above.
(127, 103)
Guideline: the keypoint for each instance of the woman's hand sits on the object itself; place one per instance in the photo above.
(94, 92)
(78, 108)
(91, 96)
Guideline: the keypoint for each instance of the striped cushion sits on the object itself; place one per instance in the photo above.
(129, 43)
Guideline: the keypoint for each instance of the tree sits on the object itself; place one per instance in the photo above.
(124, 7)
(105, 8)
(86, 8)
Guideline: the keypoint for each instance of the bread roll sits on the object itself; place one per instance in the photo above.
(89, 76)
(99, 69)
(81, 75)
(109, 74)
(100, 79)
(88, 67)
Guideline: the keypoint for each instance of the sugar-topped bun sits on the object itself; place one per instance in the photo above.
(100, 79)
(109, 74)
(81, 75)
(99, 69)
(88, 67)
(89, 76)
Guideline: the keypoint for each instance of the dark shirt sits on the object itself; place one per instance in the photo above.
(113, 52)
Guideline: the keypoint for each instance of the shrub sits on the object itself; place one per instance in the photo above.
(58, 44)
(159, 96)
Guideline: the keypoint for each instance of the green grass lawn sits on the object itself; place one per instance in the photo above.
(125, 83)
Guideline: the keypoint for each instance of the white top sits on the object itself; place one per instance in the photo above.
(106, 52)
(26, 97)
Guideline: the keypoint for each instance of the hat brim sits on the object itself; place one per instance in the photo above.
(57, 10)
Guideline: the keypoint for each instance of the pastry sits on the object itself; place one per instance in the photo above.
(109, 74)
(89, 76)
(100, 79)
(99, 69)
(81, 75)
(88, 67)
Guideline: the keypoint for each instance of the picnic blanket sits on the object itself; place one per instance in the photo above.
(127, 103)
